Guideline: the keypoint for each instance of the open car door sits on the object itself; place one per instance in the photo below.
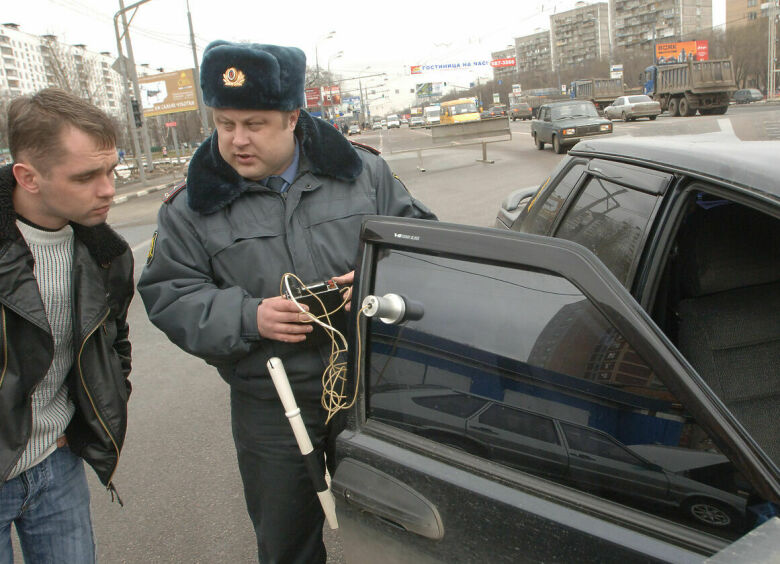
(530, 410)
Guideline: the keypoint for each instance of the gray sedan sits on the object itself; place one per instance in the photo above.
(628, 108)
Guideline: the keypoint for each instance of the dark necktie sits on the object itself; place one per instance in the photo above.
(276, 183)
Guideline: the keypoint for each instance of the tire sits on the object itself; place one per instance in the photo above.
(652, 118)
(539, 144)
(625, 117)
(685, 108)
(712, 513)
(674, 108)
(557, 147)
(720, 110)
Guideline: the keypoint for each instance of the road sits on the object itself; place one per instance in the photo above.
(178, 476)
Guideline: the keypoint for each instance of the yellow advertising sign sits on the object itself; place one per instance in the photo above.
(168, 93)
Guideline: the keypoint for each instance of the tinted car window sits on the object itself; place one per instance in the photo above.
(534, 357)
(544, 212)
(610, 220)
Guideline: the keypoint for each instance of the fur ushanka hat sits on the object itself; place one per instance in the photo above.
(249, 76)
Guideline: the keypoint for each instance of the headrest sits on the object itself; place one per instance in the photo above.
(726, 247)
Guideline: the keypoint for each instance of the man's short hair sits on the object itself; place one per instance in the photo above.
(35, 125)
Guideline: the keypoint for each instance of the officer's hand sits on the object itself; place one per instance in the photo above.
(281, 320)
(346, 280)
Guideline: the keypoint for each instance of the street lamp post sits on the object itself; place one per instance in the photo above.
(329, 35)
(132, 75)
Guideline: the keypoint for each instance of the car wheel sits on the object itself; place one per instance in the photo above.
(721, 110)
(625, 117)
(652, 118)
(674, 108)
(557, 147)
(685, 108)
(711, 512)
(539, 144)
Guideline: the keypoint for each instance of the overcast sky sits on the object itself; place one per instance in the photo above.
(385, 36)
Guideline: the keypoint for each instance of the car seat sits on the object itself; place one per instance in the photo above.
(728, 317)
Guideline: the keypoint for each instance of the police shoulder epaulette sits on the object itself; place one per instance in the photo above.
(171, 194)
(368, 148)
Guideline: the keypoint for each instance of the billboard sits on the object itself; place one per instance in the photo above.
(312, 97)
(682, 51)
(331, 96)
(168, 93)
(428, 89)
(501, 63)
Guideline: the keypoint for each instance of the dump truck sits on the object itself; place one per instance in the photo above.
(601, 91)
(685, 88)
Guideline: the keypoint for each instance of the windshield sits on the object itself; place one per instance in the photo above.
(465, 108)
(639, 99)
(584, 109)
(433, 112)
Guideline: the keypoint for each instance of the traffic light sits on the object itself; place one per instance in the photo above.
(136, 112)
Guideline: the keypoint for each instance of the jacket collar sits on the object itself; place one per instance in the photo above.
(212, 183)
(103, 243)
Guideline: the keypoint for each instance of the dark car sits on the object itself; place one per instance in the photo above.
(596, 381)
(493, 112)
(747, 95)
(563, 124)
(520, 110)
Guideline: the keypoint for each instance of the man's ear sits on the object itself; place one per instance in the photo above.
(26, 177)
(294, 115)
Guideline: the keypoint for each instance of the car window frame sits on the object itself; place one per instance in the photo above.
(613, 300)
(583, 182)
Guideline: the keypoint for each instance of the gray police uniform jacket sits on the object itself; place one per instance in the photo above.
(225, 246)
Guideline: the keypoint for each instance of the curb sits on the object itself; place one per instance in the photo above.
(125, 197)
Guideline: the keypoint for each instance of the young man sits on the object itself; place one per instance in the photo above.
(273, 190)
(66, 280)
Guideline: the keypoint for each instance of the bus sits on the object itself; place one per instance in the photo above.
(460, 110)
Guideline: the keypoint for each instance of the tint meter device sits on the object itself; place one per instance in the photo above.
(329, 294)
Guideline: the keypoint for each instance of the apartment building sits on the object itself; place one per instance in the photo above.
(29, 63)
(633, 21)
(504, 73)
(580, 34)
(534, 52)
(743, 11)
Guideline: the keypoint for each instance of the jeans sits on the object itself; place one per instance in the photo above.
(49, 505)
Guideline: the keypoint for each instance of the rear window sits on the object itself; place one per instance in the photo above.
(638, 99)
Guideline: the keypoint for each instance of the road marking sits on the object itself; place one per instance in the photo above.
(144, 245)
(725, 125)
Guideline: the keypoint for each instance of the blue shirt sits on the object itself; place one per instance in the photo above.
(288, 176)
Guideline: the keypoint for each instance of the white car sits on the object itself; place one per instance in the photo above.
(628, 108)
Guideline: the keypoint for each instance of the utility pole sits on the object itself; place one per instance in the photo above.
(771, 64)
(204, 118)
(134, 76)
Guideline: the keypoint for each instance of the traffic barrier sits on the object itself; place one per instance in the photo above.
(480, 132)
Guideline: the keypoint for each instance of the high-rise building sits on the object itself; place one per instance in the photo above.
(31, 62)
(580, 34)
(504, 73)
(633, 21)
(744, 11)
(533, 52)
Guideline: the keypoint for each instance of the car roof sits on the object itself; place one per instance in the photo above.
(750, 165)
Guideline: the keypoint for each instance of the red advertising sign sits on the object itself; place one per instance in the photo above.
(682, 51)
(170, 124)
(331, 96)
(312, 97)
(500, 63)
(416, 69)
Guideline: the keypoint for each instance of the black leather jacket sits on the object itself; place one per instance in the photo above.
(97, 382)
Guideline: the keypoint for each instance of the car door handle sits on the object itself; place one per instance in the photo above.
(386, 498)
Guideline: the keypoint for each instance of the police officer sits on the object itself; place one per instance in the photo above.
(273, 190)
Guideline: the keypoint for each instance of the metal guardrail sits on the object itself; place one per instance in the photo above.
(479, 132)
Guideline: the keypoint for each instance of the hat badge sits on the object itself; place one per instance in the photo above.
(233, 77)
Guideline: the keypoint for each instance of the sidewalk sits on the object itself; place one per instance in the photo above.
(130, 190)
